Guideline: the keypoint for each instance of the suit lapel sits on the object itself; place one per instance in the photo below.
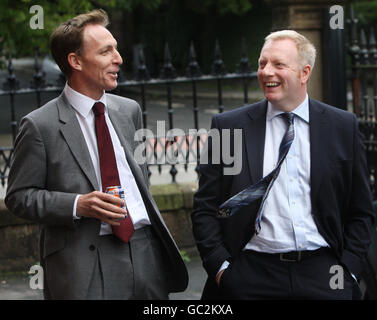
(72, 134)
(254, 135)
(123, 125)
(319, 132)
(125, 129)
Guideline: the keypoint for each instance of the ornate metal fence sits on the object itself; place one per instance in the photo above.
(363, 53)
(168, 77)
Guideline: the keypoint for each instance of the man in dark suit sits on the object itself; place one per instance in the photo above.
(65, 156)
(306, 231)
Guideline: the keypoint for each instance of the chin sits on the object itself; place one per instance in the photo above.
(272, 98)
(111, 87)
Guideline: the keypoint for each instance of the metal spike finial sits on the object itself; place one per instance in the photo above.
(11, 83)
(352, 12)
(244, 65)
(217, 49)
(363, 48)
(372, 47)
(168, 70)
(39, 76)
(352, 20)
(372, 37)
(142, 70)
(363, 38)
(192, 51)
(193, 69)
(354, 49)
(218, 66)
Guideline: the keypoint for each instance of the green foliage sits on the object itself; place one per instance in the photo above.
(185, 257)
(129, 5)
(17, 37)
(366, 12)
(221, 7)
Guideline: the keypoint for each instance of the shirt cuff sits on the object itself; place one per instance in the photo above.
(353, 276)
(223, 267)
(75, 217)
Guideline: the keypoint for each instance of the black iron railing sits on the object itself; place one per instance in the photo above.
(363, 53)
(187, 146)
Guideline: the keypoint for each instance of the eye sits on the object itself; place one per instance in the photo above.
(106, 50)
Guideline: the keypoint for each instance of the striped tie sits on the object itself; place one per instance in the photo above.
(263, 186)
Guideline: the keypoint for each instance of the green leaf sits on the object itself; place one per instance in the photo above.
(185, 256)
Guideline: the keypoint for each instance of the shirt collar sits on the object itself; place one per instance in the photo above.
(81, 103)
(301, 111)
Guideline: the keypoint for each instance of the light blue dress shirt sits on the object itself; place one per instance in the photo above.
(287, 222)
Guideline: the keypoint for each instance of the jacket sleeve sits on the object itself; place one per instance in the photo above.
(360, 217)
(206, 226)
(27, 194)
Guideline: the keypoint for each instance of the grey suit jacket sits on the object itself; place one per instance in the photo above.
(50, 166)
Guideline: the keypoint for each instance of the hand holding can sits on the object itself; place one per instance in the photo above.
(118, 192)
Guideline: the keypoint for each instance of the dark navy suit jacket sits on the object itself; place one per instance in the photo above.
(340, 194)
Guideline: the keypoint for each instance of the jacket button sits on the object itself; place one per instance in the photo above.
(92, 247)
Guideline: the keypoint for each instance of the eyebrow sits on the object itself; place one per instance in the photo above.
(109, 46)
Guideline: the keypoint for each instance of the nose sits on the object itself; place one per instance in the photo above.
(117, 58)
(267, 70)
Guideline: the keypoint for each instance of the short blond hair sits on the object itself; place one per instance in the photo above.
(306, 50)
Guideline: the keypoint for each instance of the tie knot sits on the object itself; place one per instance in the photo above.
(288, 116)
(98, 108)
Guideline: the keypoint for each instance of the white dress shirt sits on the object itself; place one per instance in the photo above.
(85, 116)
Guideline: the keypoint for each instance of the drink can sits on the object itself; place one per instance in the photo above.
(118, 192)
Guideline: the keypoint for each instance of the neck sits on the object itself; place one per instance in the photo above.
(80, 87)
(291, 105)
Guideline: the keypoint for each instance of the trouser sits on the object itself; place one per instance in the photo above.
(255, 275)
(133, 270)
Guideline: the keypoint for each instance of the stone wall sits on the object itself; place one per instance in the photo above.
(19, 238)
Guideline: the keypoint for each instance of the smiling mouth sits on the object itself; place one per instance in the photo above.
(272, 84)
(114, 74)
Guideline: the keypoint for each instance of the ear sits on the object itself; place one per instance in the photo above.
(74, 61)
(305, 73)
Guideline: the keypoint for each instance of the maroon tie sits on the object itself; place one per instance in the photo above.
(109, 169)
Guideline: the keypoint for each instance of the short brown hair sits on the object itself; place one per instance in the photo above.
(67, 37)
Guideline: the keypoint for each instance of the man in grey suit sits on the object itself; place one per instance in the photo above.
(57, 178)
